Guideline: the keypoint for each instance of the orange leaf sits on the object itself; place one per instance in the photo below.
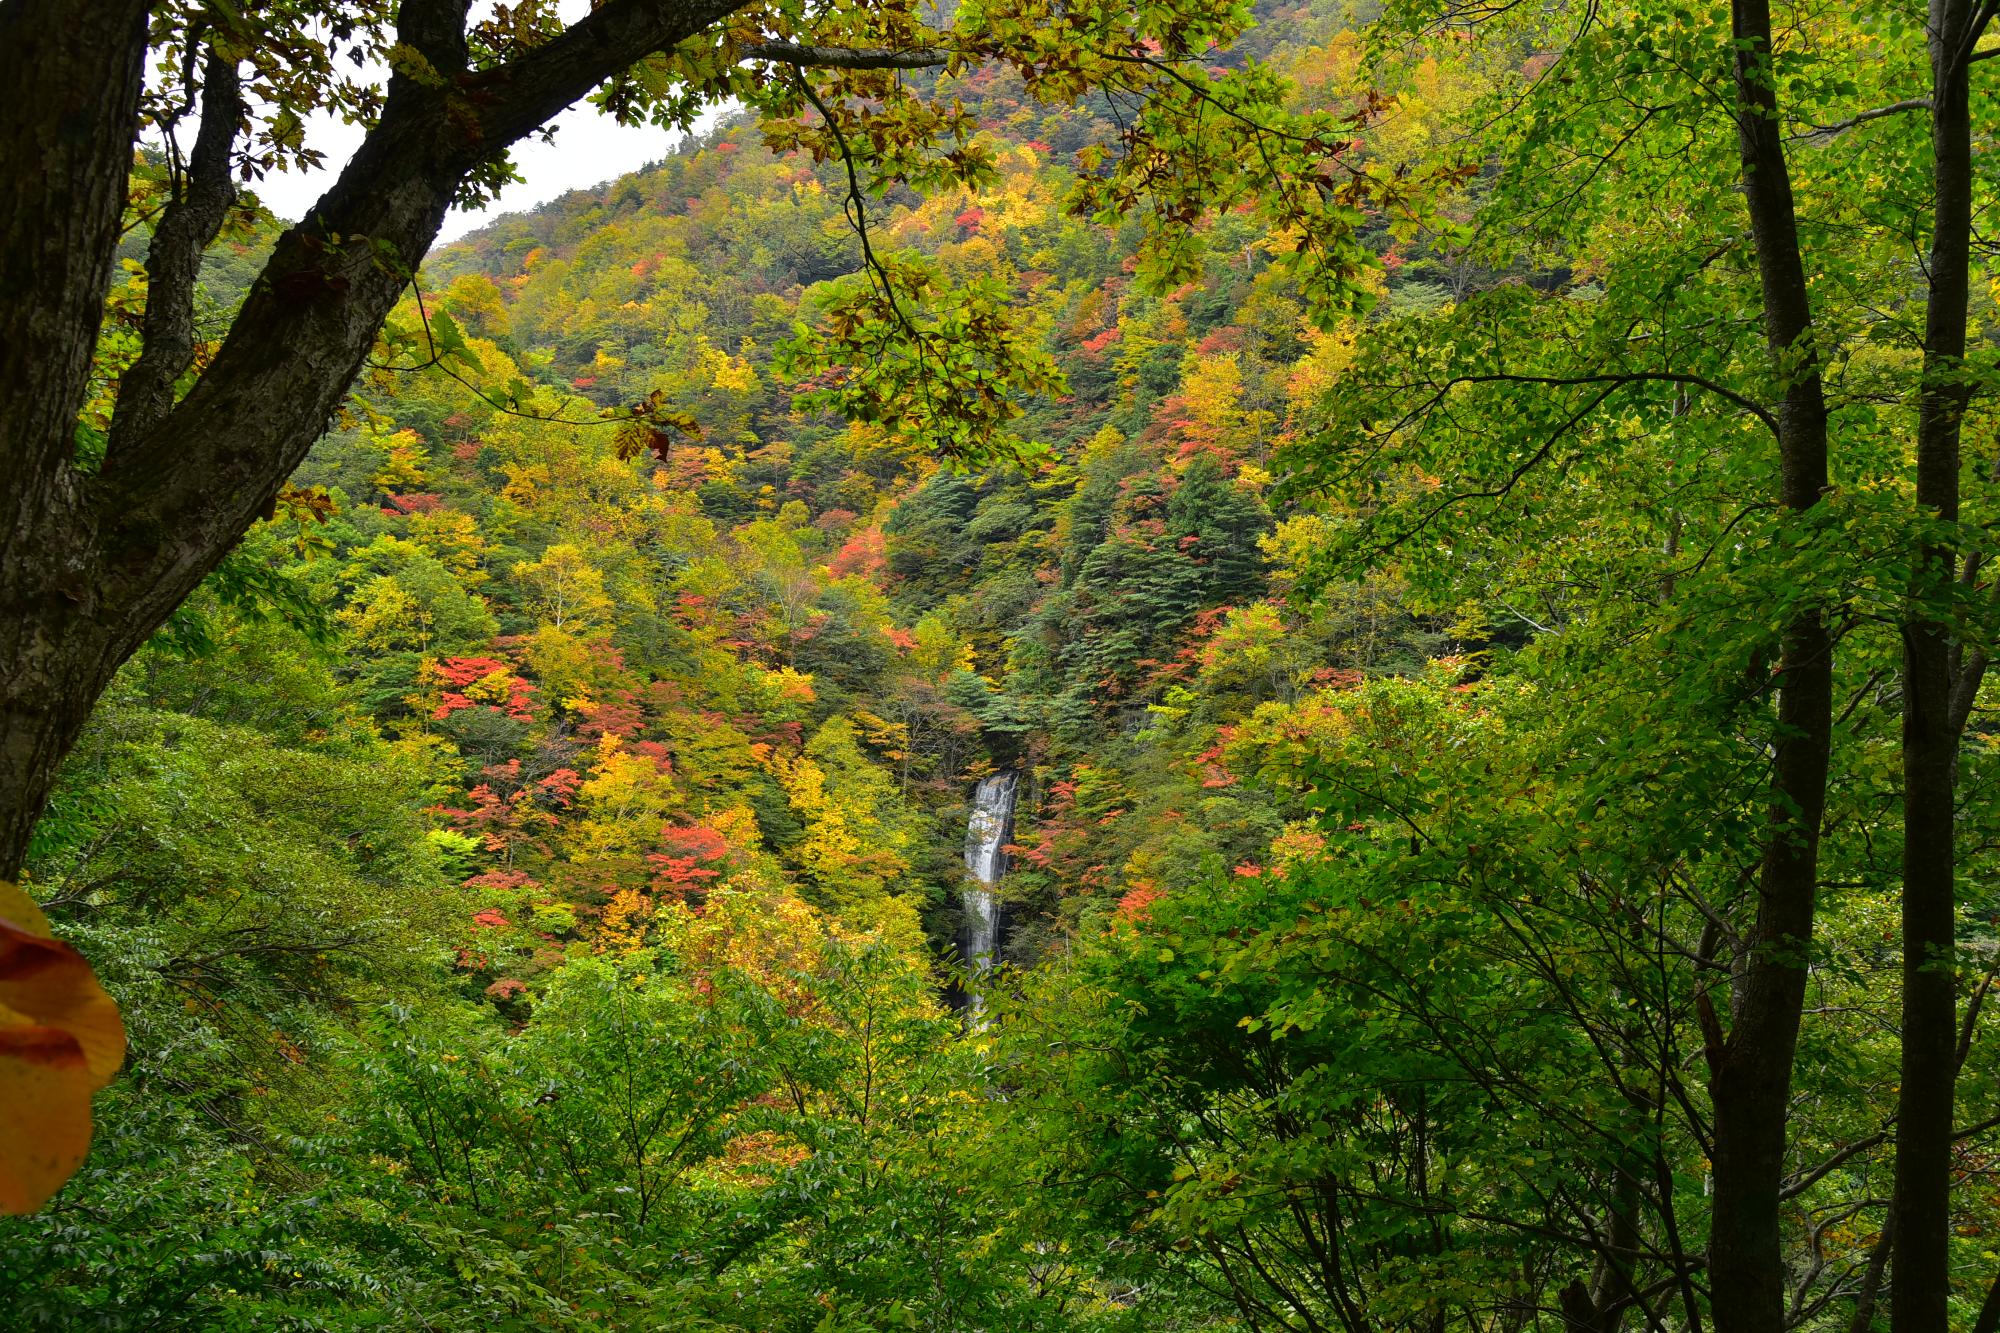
(60, 1040)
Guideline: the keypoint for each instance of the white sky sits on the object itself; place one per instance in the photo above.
(589, 149)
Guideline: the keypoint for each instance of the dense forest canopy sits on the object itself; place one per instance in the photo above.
(1304, 668)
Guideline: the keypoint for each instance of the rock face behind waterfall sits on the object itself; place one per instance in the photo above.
(986, 834)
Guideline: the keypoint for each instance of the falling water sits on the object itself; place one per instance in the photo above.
(986, 836)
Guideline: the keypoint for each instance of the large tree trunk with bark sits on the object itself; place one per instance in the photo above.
(92, 562)
(70, 79)
(1752, 1070)
(57, 665)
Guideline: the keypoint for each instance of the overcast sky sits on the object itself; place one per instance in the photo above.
(589, 148)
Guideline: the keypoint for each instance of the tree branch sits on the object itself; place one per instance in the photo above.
(1506, 487)
(1616, 379)
(1977, 20)
(188, 225)
(1804, 1181)
(842, 57)
(1822, 133)
(1989, 1310)
(1975, 29)
(1976, 1128)
(522, 95)
(1970, 671)
(435, 29)
(1968, 1028)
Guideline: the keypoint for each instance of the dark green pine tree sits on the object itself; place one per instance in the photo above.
(1172, 549)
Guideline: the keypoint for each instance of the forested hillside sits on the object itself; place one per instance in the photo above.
(533, 868)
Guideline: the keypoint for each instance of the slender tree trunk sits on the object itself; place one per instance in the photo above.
(1752, 1078)
(1989, 1311)
(1920, 1294)
(1870, 1291)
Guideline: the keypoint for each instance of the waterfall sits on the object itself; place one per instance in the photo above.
(986, 834)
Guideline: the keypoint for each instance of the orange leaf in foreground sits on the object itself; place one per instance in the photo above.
(60, 1040)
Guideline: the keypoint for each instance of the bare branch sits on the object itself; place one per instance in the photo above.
(1975, 1129)
(1506, 487)
(1822, 133)
(1618, 378)
(1804, 1181)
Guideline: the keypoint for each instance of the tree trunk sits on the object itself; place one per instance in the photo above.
(70, 77)
(1920, 1293)
(56, 668)
(1989, 1311)
(1752, 1076)
(91, 563)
